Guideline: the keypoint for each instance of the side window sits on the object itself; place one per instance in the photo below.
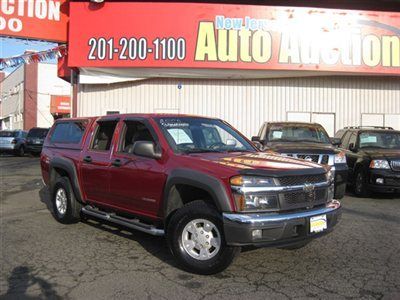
(135, 131)
(345, 139)
(353, 139)
(104, 134)
(68, 132)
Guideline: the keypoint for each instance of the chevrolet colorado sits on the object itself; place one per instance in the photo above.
(196, 180)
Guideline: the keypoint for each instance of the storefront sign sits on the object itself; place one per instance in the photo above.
(34, 19)
(215, 36)
(60, 105)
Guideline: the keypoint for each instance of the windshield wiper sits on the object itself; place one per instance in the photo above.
(200, 150)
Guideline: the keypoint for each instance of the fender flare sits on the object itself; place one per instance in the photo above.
(69, 167)
(199, 180)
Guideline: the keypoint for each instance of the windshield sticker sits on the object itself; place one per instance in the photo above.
(368, 139)
(277, 134)
(180, 136)
(173, 123)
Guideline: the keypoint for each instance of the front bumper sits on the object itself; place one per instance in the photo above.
(277, 229)
(391, 181)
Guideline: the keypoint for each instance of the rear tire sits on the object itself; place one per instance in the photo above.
(360, 184)
(196, 239)
(66, 208)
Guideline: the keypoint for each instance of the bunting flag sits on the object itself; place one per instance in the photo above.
(33, 57)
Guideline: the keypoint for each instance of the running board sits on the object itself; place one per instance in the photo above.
(132, 224)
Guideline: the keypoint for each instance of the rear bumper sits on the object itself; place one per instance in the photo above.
(277, 229)
(391, 181)
(34, 148)
(7, 147)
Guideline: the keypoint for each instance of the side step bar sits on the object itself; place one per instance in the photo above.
(132, 224)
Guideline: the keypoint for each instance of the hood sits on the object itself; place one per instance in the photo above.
(259, 163)
(388, 154)
(301, 147)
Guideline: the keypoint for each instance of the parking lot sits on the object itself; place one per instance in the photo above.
(42, 258)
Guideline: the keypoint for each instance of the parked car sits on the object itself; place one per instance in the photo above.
(305, 141)
(13, 141)
(373, 157)
(35, 140)
(196, 180)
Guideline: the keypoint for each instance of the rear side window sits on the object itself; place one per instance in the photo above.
(68, 132)
(104, 134)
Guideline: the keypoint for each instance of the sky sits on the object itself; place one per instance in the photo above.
(14, 47)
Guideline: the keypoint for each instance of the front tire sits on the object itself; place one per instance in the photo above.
(360, 184)
(196, 239)
(66, 208)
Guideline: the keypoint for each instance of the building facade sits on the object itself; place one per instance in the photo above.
(26, 96)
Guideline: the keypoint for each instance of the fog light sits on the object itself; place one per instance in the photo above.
(380, 181)
(257, 234)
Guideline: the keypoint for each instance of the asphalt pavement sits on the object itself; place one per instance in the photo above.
(41, 258)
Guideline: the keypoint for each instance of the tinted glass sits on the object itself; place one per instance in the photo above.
(38, 133)
(8, 133)
(345, 139)
(353, 139)
(104, 134)
(297, 133)
(188, 135)
(134, 132)
(68, 132)
(385, 140)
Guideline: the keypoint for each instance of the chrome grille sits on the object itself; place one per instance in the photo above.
(302, 179)
(395, 164)
(317, 158)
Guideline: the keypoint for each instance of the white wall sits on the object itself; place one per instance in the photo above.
(49, 84)
(246, 104)
(12, 96)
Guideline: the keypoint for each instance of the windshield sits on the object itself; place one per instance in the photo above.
(8, 133)
(385, 140)
(38, 133)
(191, 135)
(297, 133)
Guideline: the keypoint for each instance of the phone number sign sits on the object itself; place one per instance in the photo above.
(215, 36)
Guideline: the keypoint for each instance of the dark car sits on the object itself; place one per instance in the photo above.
(305, 141)
(13, 141)
(35, 140)
(196, 180)
(373, 157)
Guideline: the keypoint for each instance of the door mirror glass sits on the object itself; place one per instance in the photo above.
(145, 149)
(352, 147)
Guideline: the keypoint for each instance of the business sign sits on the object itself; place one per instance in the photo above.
(60, 105)
(216, 36)
(34, 19)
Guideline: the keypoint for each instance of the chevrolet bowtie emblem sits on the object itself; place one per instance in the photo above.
(308, 188)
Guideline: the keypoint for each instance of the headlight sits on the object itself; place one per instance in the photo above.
(340, 158)
(252, 181)
(253, 201)
(379, 164)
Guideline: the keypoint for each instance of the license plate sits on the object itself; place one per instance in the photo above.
(318, 224)
(37, 141)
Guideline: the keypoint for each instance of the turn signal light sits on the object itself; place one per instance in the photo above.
(237, 180)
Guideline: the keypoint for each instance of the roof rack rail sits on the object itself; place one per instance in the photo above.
(372, 127)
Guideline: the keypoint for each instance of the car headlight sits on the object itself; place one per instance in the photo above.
(340, 158)
(253, 201)
(379, 164)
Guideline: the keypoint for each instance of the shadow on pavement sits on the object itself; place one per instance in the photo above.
(21, 279)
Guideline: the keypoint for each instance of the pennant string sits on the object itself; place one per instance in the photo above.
(27, 58)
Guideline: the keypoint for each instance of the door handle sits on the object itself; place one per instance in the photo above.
(87, 159)
(117, 163)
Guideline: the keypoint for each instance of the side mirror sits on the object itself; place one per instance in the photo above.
(336, 141)
(352, 147)
(145, 149)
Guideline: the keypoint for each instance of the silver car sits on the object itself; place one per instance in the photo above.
(13, 141)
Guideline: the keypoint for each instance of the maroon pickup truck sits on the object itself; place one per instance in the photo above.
(195, 180)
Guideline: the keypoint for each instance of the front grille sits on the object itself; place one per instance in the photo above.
(301, 179)
(317, 158)
(302, 199)
(395, 164)
(392, 181)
